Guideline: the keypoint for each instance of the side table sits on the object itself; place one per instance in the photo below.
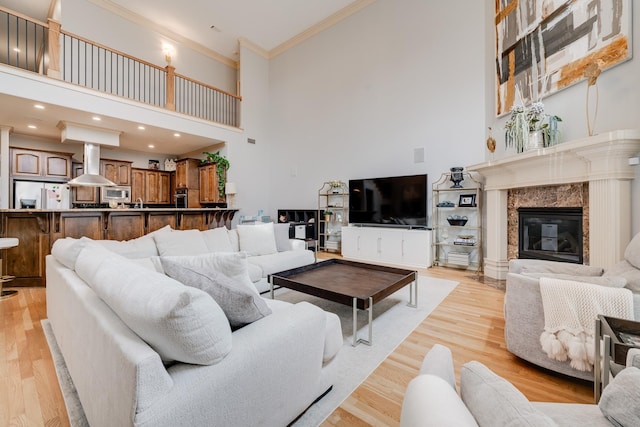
(618, 336)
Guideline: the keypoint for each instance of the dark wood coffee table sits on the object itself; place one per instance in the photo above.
(355, 284)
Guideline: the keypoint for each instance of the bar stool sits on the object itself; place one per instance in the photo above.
(6, 243)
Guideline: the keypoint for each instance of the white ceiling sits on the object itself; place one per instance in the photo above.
(267, 24)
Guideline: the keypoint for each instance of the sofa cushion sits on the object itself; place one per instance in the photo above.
(541, 266)
(66, 251)
(632, 252)
(240, 304)
(281, 231)
(620, 400)
(179, 322)
(141, 247)
(627, 271)
(431, 401)
(180, 242)
(217, 240)
(258, 239)
(231, 264)
(495, 402)
(610, 281)
(281, 261)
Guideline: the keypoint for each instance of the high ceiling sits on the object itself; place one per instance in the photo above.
(266, 24)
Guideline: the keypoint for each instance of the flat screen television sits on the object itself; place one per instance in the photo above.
(394, 201)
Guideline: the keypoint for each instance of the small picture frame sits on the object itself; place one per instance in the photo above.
(467, 200)
(154, 164)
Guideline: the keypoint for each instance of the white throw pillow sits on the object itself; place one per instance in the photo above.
(217, 240)
(142, 247)
(179, 322)
(257, 239)
(66, 251)
(180, 242)
(240, 304)
(231, 264)
(281, 232)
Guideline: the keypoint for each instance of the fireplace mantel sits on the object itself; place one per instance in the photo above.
(601, 160)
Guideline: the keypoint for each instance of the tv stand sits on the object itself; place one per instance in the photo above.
(393, 245)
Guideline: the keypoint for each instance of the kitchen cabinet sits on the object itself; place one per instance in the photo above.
(27, 260)
(394, 246)
(152, 186)
(457, 221)
(40, 164)
(124, 225)
(78, 224)
(210, 185)
(81, 194)
(187, 173)
(116, 171)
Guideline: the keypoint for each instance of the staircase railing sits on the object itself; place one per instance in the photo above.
(46, 49)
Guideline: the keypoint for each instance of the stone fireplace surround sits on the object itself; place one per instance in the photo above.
(601, 162)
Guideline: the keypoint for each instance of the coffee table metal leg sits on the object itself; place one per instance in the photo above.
(357, 340)
(413, 293)
(271, 286)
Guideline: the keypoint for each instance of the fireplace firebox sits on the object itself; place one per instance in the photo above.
(553, 234)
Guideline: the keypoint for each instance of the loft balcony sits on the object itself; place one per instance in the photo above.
(48, 50)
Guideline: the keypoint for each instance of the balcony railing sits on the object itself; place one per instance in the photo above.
(45, 48)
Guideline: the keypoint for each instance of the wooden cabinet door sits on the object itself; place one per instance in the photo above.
(83, 194)
(157, 220)
(26, 162)
(26, 261)
(151, 187)
(192, 221)
(116, 171)
(137, 185)
(124, 225)
(79, 224)
(181, 174)
(164, 187)
(56, 165)
(209, 184)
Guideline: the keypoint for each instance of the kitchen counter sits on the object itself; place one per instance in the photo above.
(38, 229)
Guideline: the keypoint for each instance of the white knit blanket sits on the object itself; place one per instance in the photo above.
(570, 311)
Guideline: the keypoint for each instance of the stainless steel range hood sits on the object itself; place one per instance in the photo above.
(91, 176)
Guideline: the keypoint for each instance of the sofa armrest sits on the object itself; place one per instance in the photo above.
(439, 362)
(542, 266)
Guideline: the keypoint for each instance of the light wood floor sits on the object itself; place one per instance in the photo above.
(469, 321)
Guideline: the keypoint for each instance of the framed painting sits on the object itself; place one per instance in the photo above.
(543, 46)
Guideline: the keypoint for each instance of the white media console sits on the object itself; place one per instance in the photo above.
(407, 247)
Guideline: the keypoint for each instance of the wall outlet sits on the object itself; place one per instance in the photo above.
(251, 140)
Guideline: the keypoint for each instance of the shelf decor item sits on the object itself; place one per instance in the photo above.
(456, 176)
(591, 72)
(467, 200)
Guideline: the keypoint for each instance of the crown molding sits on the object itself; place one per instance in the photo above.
(144, 22)
(320, 26)
(245, 42)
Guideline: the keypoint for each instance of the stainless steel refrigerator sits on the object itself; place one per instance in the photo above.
(40, 195)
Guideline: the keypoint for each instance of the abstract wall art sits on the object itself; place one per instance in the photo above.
(546, 45)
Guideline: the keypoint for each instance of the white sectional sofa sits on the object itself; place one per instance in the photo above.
(145, 349)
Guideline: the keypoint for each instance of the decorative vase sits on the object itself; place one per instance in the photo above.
(536, 140)
(456, 176)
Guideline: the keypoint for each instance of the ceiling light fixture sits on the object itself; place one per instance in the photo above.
(141, 127)
(32, 127)
(96, 118)
(168, 51)
(151, 146)
(39, 106)
(177, 135)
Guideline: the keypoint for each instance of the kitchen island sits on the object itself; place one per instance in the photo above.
(38, 229)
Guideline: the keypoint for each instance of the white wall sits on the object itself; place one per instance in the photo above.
(85, 19)
(618, 108)
(356, 100)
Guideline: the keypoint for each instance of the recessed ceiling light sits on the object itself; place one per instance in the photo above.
(32, 127)
(39, 106)
(15, 49)
(177, 135)
(141, 127)
(151, 146)
(96, 118)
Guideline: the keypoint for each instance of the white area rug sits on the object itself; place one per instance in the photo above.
(393, 321)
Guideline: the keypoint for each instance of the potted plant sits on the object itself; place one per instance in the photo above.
(222, 166)
(327, 215)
